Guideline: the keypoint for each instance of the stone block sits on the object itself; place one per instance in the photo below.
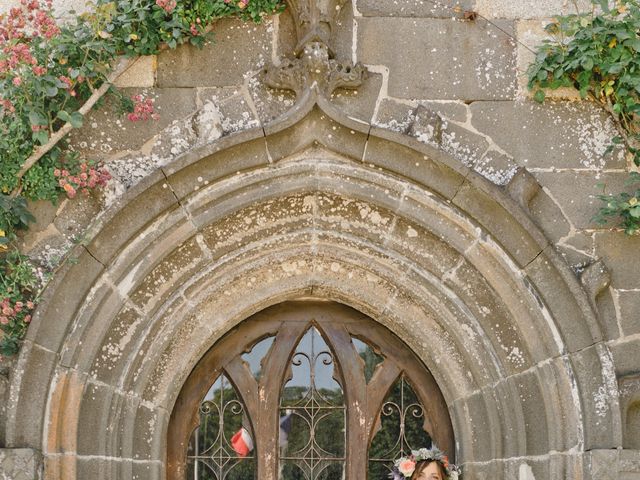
(629, 464)
(596, 379)
(394, 115)
(142, 74)
(270, 104)
(528, 8)
(515, 353)
(237, 48)
(462, 144)
(62, 297)
(535, 414)
(561, 295)
(450, 60)
(625, 355)
(233, 108)
(37, 366)
(359, 103)
(107, 131)
(197, 171)
(426, 169)
(75, 216)
(556, 134)
(579, 204)
(99, 403)
(629, 303)
(133, 217)
(316, 129)
(167, 276)
(601, 465)
(499, 222)
(414, 8)
(20, 464)
(480, 443)
(614, 249)
(97, 468)
(497, 167)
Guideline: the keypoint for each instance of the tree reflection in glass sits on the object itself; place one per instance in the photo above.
(400, 429)
(210, 455)
(312, 414)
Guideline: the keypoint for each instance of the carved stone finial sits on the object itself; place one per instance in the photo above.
(314, 66)
(314, 70)
(315, 21)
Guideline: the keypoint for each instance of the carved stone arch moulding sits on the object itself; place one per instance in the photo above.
(314, 206)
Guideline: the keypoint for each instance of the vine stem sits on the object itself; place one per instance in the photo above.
(121, 67)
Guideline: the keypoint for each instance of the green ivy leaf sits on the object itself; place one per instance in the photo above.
(76, 119)
(64, 116)
(539, 96)
(37, 119)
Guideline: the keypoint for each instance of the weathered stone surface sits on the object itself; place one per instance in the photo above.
(238, 47)
(528, 8)
(629, 303)
(614, 249)
(26, 429)
(414, 8)
(233, 108)
(451, 60)
(107, 131)
(47, 328)
(142, 74)
(625, 355)
(361, 102)
(20, 464)
(499, 223)
(579, 203)
(556, 134)
(595, 376)
(96, 416)
(577, 330)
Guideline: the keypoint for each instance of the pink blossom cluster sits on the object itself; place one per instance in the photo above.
(9, 311)
(142, 109)
(242, 4)
(32, 19)
(89, 177)
(167, 5)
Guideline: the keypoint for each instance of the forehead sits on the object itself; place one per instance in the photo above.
(432, 469)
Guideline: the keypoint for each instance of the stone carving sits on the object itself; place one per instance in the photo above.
(595, 278)
(523, 187)
(314, 66)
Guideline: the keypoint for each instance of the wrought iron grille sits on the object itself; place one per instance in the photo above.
(312, 445)
(400, 429)
(211, 455)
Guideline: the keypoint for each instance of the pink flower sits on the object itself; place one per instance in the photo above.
(27, 319)
(4, 320)
(17, 81)
(407, 467)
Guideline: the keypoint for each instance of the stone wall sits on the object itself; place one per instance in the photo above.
(451, 88)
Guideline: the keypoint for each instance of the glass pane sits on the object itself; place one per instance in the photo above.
(401, 421)
(370, 358)
(257, 354)
(312, 414)
(221, 447)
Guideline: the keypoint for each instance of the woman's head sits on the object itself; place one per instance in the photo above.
(429, 470)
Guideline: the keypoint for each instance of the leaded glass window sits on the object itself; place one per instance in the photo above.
(304, 391)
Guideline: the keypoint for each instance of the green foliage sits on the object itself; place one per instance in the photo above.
(598, 53)
(624, 205)
(48, 71)
(18, 285)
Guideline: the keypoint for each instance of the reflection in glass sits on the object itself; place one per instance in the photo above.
(370, 358)
(256, 356)
(312, 414)
(219, 449)
(400, 430)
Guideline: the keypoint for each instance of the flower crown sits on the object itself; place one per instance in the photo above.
(405, 466)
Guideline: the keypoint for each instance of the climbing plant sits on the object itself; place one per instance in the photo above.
(598, 53)
(51, 74)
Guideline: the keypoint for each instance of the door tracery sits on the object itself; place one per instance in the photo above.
(307, 385)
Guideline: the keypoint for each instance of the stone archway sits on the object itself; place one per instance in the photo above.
(316, 206)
